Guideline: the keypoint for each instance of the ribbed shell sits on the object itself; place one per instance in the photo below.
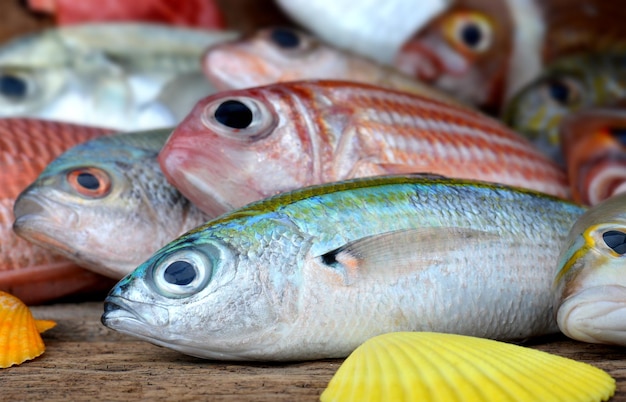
(427, 366)
(19, 332)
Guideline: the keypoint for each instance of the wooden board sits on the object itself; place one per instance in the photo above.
(86, 361)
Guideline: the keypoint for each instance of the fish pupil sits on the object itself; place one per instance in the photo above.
(234, 114)
(180, 273)
(615, 240)
(471, 35)
(619, 134)
(285, 38)
(12, 86)
(559, 91)
(88, 181)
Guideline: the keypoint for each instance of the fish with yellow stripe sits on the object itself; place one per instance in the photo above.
(590, 286)
(315, 272)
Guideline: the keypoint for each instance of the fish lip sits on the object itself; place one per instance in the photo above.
(429, 66)
(30, 211)
(119, 309)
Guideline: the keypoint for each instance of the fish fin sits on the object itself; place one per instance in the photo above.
(403, 251)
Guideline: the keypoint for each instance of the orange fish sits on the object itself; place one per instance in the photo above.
(240, 146)
(281, 54)
(594, 146)
(484, 51)
(27, 271)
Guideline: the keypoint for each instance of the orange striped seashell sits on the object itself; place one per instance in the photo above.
(19, 332)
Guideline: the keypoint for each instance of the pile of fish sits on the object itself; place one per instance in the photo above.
(277, 197)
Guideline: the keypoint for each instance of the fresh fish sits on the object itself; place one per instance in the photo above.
(240, 146)
(485, 51)
(107, 74)
(316, 272)
(593, 142)
(463, 52)
(105, 204)
(285, 54)
(371, 28)
(590, 286)
(568, 85)
(29, 272)
(191, 13)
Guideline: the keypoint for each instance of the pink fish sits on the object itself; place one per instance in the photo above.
(30, 272)
(594, 146)
(280, 54)
(191, 13)
(239, 146)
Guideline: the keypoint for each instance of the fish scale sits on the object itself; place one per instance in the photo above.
(315, 272)
(323, 131)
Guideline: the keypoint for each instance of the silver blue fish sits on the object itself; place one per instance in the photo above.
(116, 75)
(315, 272)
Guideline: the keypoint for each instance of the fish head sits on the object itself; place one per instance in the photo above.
(225, 291)
(593, 142)
(105, 204)
(239, 146)
(568, 85)
(271, 55)
(26, 90)
(590, 283)
(464, 52)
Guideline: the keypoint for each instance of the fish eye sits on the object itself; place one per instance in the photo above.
(13, 86)
(618, 134)
(285, 38)
(89, 182)
(615, 240)
(469, 31)
(233, 114)
(563, 91)
(183, 273)
(242, 118)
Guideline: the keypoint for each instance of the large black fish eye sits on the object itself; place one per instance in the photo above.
(559, 91)
(471, 35)
(234, 114)
(285, 38)
(619, 134)
(13, 86)
(180, 273)
(616, 240)
(88, 181)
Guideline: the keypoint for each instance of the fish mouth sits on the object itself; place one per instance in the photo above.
(419, 60)
(34, 222)
(121, 314)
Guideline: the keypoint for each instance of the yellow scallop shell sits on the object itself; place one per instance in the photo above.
(19, 332)
(427, 366)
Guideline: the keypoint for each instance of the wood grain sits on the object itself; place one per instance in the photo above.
(86, 361)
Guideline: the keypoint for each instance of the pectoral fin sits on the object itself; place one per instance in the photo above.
(404, 251)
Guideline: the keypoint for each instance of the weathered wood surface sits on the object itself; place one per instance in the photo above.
(86, 361)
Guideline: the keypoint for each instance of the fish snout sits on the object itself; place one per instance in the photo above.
(419, 61)
(595, 315)
(119, 312)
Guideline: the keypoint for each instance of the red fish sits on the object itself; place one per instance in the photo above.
(191, 13)
(30, 272)
(239, 146)
(484, 51)
(594, 146)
